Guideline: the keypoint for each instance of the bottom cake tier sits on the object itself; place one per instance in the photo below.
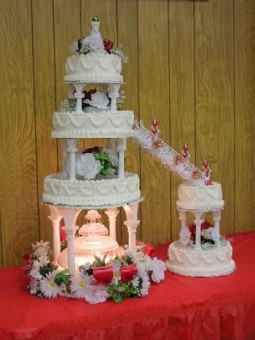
(211, 261)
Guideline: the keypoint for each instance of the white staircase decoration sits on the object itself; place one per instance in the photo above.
(168, 157)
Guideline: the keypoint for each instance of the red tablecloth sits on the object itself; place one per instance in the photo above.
(178, 308)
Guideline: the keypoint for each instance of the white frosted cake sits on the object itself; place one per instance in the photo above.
(105, 124)
(200, 251)
(58, 189)
(95, 59)
(94, 67)
(94, 178)
(212, 261)
(200, 197)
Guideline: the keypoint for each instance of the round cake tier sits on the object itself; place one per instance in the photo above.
(94, 68)
(106, 124)
(93, 244)
(200, 197)
(211, 261)
(93, 193)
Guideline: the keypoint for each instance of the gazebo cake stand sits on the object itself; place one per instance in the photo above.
(196, 260)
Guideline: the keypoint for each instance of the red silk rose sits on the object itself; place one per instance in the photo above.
(108, 45)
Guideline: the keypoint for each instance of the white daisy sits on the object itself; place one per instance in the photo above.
(79, 284)
(48, 286)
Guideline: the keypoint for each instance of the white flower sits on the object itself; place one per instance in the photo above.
(136, 282)
(87, 166)
(48, 286)
(214, 233)
(40, 248)
(185, 234)
(33, 286)
(158, 269)
(145, 285)
(98, 99)
(74, 47)
(96, 294)
(79, 285)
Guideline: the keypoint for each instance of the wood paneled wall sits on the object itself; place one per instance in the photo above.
(191, 65)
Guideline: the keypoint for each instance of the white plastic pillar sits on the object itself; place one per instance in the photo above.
(114, 94)
(72, 150)
(121, 147)
(70, 216)
(65, 155)
(183, 218)
(55, 218)
(132, 222)
(78, 95)
(216, 219)
(112, 214)
(198, 221)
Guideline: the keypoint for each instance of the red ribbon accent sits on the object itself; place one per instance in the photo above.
(128, 272)
(103, 274)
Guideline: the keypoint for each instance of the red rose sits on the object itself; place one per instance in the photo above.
(62, 233)
(205, 225)
(27, 259)
(108, 45)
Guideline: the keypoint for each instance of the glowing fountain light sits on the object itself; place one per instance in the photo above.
(92, 240)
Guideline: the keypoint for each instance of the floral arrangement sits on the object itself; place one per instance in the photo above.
(127, 276)
(96, 161)
(208, 234)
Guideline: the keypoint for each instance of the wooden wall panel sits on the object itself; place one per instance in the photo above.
(19, 204)
(182, 95)
(44, 79)
(154, 102)
(214, 96)
(127, 38)
(191, 66)
(244, 115)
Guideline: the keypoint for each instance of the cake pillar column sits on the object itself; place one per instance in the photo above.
(198, 221)
(72, 150)
(121, 150)
(112, 214)
(184, 233)
(216, 219)
(65, 155)
(55, 218)
(78, 95)
(183, 218)
(114, 94)
(132, 222)
(70, 216)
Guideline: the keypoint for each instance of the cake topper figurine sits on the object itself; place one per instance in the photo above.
(154, 127)
(94, 39)
(207, 173)
(185, 152)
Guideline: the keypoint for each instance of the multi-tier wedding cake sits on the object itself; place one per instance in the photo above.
(92, 179)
